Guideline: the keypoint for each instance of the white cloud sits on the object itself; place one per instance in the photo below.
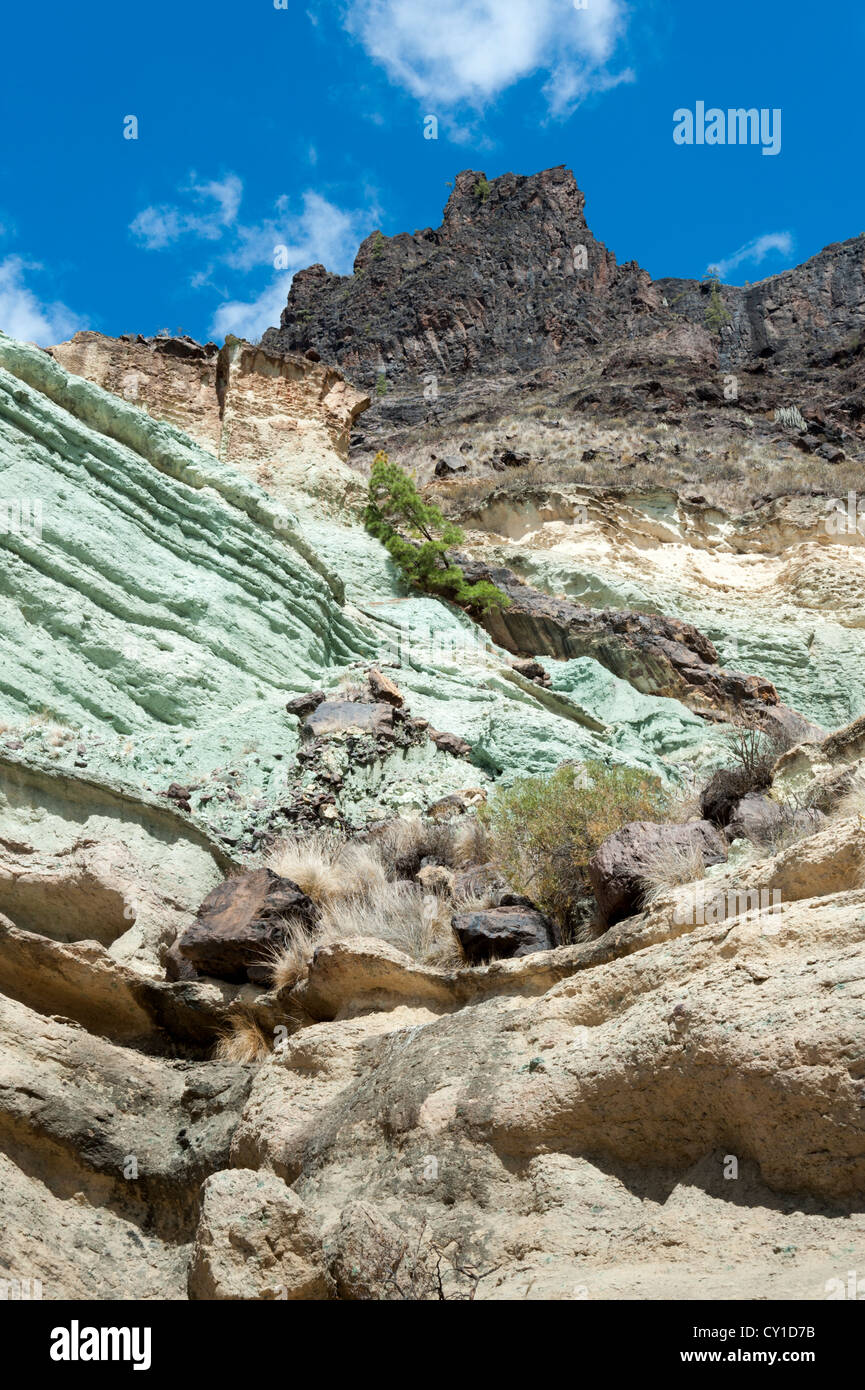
(319, 231)
(249, 318)
(469, 51)
(22, 313)
(158, 227)
(756, 251)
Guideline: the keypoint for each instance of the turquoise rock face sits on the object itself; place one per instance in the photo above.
(158, 608)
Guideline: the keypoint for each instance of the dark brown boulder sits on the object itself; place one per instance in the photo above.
(179, 795)
(620, 866)
(723, 792)
(756, 818)
(501, 933)
(533, 671)
(446, 468)
(450, 743)
(302, 705)
(240, 920)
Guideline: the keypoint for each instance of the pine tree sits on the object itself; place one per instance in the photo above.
(717, 315)
(418, 536)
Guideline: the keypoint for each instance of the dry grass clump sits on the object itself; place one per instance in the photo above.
(328, 868)
(671, 866)
(414, 922)
(401, 914)
(852, 803)
(365, 888)
(405, 842)
(289, 961)
(242, 1041)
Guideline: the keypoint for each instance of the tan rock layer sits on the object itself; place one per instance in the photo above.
(239, 402)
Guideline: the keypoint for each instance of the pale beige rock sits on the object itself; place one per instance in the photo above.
(306, 1071)
(255, 1240)
(73, 1247)
(823, 865)
(809, 770)
(282, 419)
(82, 859)
(542, 1137)
(81, 981)
(226, 399)
(102, 1152)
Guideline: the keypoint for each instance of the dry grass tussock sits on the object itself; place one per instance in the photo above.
(672, 866)
(403, 843)
(363, 889)
(242, 1041)
(328, 868)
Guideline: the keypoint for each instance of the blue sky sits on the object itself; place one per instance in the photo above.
(303, 127)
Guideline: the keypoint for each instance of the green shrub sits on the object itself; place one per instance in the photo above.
(545, 830)
(417, 536)
(717, 315)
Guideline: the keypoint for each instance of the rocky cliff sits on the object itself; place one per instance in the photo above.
(280, 1020)
(513, 294)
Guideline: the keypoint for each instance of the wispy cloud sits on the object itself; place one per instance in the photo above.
(466, 52)
(23, 314)
(294, 236)
(216, 205)
(755, 251)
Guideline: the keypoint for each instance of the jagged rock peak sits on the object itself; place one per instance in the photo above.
(514, 282)
(511, 278)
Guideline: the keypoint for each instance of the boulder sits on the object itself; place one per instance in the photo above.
(446, 468)
(179, 795)
(722, 794)
(302, 705)
(255, 1241)
(533, 671)
(619, 867)
(503, 932)
(383, 688)
(375, 1261)
(239, 920)
(348, 717)
(831, 453)
(756, 818)
(507, 458)
(450, 743)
